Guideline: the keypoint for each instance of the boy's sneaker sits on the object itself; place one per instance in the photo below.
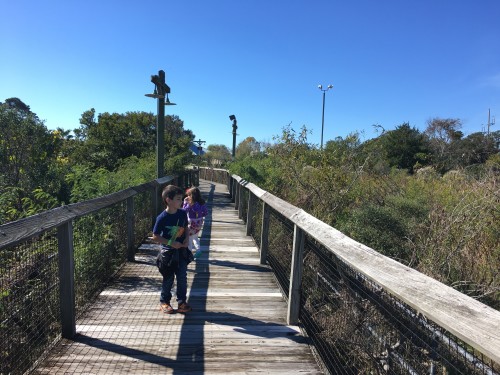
(166, 308)
(184, 308)
(197, 254)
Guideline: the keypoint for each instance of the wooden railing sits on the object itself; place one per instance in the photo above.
(53, 264)
(402, 307)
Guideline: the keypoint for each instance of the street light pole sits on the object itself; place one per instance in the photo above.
(323, 115)
(160, 133)
(233, 119)
(161, 89)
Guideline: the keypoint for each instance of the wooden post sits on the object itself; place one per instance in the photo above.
(236, 195)
(66, 279)
(264, 233)
(154, 206)
(130, 229)
(240, 201)
(157, 199)
(295, 276)
(252, 201)
(231, 189)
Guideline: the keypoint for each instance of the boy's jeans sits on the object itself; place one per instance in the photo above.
(168, 281)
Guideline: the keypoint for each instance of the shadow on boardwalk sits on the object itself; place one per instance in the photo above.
(237, 324)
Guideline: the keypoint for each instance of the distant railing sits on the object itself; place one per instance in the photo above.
(364, 312)
(54, 264)
(216, 174)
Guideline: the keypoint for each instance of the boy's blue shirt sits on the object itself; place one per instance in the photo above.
(171, 227)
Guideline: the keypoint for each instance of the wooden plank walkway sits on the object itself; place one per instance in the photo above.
(237, 326)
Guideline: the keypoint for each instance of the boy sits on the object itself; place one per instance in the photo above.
(170, 230)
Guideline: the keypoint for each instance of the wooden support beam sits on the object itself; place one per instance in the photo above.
(130, 230)
(237, 195)
(295, 276)
(241, 191)
(66, 279)
(252, 202)
(264, 234)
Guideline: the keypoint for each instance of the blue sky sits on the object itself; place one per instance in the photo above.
(390, 62)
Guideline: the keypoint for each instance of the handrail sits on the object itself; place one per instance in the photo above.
(471, 321)
(14, 232)
(42, 247)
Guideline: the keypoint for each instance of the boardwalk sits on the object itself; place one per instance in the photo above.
(237, 325)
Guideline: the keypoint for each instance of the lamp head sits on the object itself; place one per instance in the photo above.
(167, 101)
(232, 117)
(320, 87)
(154, 95)
(330, 86)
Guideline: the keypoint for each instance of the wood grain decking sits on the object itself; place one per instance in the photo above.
(237, 326)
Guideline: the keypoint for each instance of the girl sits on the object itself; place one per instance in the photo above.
(196, 210)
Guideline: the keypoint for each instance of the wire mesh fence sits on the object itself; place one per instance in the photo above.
(214, 174)
(143, 214)
(29, 283)
(99, 242)
(30, 288)
(279, 254)
(243, 209)
(256, 226)
(29, 302)
(355, 326)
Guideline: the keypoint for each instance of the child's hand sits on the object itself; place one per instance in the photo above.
(176, 245)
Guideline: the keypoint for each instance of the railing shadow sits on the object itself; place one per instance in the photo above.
(190, 355)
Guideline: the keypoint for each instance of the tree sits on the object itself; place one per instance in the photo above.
(16, 103)
(495, 136)
(87, 124)
(177, 144)
(476, 148)
(247, 147)
(442, 135)
(217, 155)
(344, 149)
(28, 152)
(113, 137)
(405, 147)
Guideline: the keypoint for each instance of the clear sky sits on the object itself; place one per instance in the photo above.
(390, 62)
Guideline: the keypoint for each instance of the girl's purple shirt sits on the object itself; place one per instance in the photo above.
(196, 211)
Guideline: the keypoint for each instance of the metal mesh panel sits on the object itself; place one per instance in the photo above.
(29, 278)
(358, 328)
(143, 213)
(244, 203)
(280, 249)
(257, 223)
(100, 245)
(220, 176)
(29, 302)
(355, 326)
